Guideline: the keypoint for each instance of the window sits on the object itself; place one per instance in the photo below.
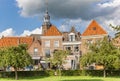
(71, 37)
(56, 43)
(68, 48)
(35, 62)
(47, 43)
(35, 50)
(89, 41)
(73, 64)
(47, 52)
(94, 28)
(76, 48)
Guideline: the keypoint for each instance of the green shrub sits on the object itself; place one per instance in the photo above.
(63, 73)
(27, 73)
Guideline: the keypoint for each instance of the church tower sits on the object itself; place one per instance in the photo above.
(46, 24)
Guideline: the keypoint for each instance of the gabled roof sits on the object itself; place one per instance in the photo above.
(94, 29)
(52, 31)
(15, 41)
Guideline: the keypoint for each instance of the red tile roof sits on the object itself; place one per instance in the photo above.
(52, 31)
(15, 41)
(94, 29)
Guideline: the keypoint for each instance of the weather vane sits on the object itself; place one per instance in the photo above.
(46, 3)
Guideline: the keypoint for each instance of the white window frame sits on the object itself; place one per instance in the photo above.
(75, 48)
(47, 43)
(35, 50)
(89, 41)
(56, 43)
(72, 37)
(46, 53)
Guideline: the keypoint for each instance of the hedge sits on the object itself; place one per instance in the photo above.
(82, 73)
(27, 73)
(63, 73)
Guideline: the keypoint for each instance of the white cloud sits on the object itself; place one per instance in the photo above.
(64, 8)
(112, 18)
(28, 32)
(79, 24)
(7, 32)
(68, 23)
(78, 12)
(29, 7)
(113, 3)
(10, 32)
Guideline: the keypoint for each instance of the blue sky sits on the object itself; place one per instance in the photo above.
(10, 18)
(24, 17)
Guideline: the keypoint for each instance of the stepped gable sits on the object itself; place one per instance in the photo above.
(52, 31)
(94, 29)
(73, 30)
(15, 41)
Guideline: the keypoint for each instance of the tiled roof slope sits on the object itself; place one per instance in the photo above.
(94, 29)
(52, 31)
(14, 41)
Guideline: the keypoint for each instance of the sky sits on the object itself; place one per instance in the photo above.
(25, 17)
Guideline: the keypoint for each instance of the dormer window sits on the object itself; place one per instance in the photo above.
(71, 37)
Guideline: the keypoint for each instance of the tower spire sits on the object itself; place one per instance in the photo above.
(46, 3)
(46, 16)
(46, 23)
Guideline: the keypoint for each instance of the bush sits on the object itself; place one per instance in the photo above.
(27, 73)
(63, 73)
(89, 72)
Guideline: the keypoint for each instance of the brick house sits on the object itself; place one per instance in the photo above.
(93, 33)
(42, 46)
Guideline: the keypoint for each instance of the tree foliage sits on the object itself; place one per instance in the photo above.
(59, 57)
(3, 58)
(117, 29)
(103, 53)
(16, 57)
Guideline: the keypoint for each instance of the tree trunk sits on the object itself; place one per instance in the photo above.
(16, 74)
(59, 70)
(4, 68)
(104, 73)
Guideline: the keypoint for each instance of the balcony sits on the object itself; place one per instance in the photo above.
(71, 42)
(75, 53)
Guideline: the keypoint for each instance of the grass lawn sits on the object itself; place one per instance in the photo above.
(64, 78)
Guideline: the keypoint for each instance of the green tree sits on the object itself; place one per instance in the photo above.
(117, 29)
(58, 59)
(16, 57)
(103, 53)
(3, 59)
